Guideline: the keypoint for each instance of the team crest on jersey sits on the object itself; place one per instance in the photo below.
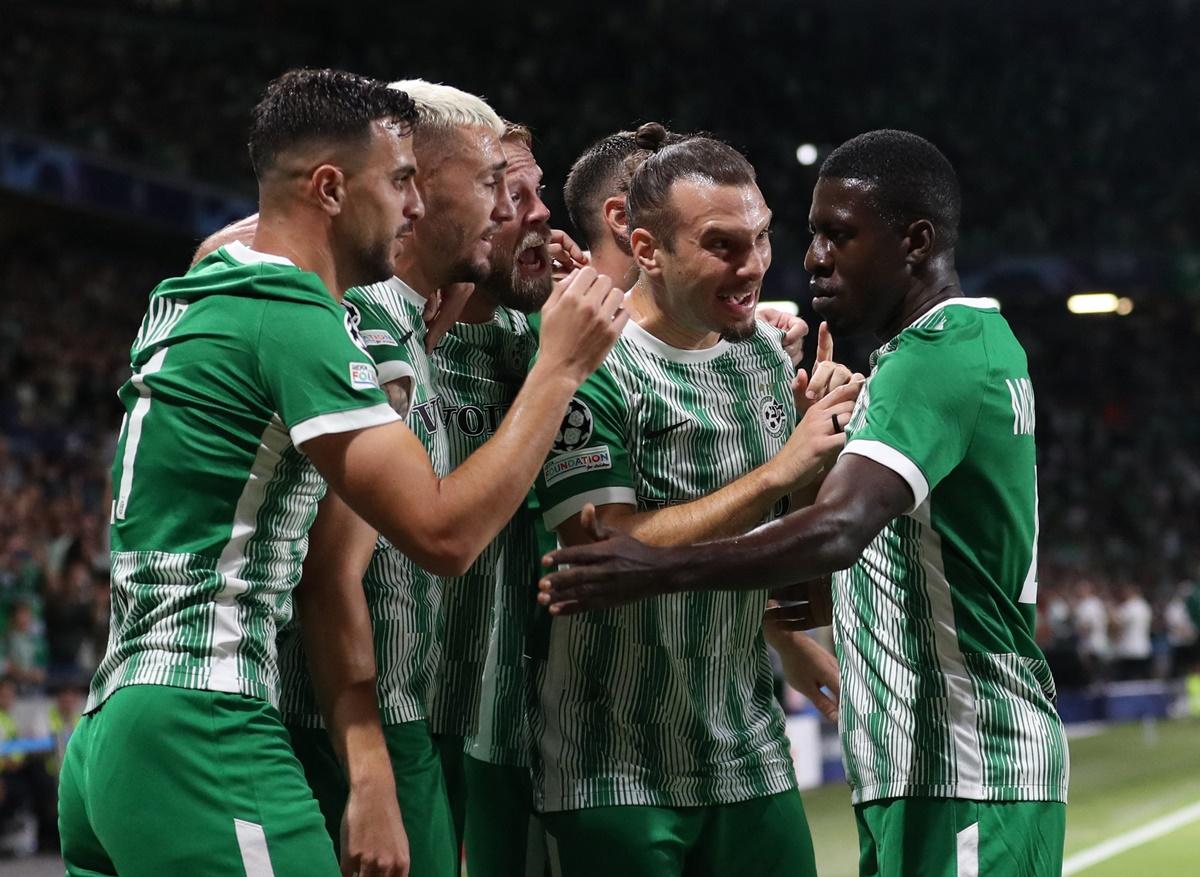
(363, 376)
(351, 320)
(773, 414)
(576, 429)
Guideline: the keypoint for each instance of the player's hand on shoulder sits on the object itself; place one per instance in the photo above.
(374, 843)
(442, 310)
(581, 321)
(794, 329)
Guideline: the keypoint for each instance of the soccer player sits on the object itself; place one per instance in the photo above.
(461, 178)
(661, 747)
(480, 365)
(956, 757)
(250, 391)
(595, 192)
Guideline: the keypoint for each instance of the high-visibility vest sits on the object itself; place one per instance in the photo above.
(1193, 695)
(61, 730)
(9, 731)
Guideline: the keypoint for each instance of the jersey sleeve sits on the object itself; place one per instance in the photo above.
(319, 379)
(589, 461)
(918, 412)
(385, 338)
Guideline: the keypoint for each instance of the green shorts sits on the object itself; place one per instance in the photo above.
(450, 749)
(419, 789)
(163, 780)
(503, 835)
(766, 837)
(952, 837)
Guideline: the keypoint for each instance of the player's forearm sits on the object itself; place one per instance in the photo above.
(480, 497)
(730, 511)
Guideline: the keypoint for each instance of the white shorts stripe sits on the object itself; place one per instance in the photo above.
(968, 852)
(252, 841)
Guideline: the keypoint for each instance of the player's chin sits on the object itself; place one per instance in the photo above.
(739, 330)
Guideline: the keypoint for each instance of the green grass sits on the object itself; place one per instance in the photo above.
(1121, 779)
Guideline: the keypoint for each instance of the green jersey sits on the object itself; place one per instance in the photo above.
(479, 368)
(237, 364)
(669, 701)
(944, 692)
(404, 599)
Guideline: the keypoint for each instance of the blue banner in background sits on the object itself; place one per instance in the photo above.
(67, 176)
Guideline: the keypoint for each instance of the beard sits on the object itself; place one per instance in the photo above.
(376, 262)
(741, 332)
(510, 288)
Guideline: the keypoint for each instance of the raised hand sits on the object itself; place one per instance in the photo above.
(827, 375)
(814, 444)
(581, 321)
(442, 311)
(565, 254)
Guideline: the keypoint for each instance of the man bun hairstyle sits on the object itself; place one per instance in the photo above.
(696, 157)
(603, 171)
(306, 106)
(909, 179)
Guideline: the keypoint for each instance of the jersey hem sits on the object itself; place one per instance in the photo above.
(868, 794)
(342, 421)
(97, 699)
(641, 797)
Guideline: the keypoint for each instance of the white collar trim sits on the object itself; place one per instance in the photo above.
(658, 347)
(242, 253)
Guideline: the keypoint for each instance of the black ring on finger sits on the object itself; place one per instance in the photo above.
(837, 427)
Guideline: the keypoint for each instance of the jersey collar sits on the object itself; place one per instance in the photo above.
(643, 339)
(239, 252)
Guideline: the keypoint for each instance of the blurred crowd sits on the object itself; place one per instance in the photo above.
(1049, 112)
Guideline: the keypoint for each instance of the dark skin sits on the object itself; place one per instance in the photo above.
(868, 275)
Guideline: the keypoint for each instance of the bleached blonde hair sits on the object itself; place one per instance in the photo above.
(445, 107)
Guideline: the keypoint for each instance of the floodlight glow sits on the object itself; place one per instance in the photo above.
(1094, 303)
(806, 154)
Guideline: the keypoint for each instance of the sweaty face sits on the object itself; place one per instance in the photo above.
(381, 204)
(466, 200)
(856, 259)
(721, 250)
(520, 275)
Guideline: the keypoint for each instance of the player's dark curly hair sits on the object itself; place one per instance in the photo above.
(697, 156)
(910, 179)
(308, 105)
(604, 170)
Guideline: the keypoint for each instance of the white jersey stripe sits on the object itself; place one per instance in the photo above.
(252, 842)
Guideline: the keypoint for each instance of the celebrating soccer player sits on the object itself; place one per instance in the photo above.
(660, 744)
(957, 759)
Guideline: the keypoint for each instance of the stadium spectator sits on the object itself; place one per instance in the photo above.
(25, 648)
(1091, 625)
(1131, 621)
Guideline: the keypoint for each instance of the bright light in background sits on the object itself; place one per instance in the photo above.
(788, 307)
(1099, 303)
(806, 154)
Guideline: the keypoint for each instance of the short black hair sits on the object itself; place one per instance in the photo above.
(604, 170)
(910, 179)
(696, 156)
(308, 105)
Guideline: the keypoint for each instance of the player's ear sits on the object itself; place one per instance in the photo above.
(613, 211)
(328, 185)
(646, 252)
(919, 242)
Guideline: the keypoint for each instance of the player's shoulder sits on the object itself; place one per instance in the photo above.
(958, 329)
(238, 272)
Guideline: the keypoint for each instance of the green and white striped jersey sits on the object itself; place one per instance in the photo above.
(944, 691)
(669, 701)
(237, 364)
(404, 599)
(479, 368)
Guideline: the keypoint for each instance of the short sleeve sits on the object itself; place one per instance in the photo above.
(386, 339)
(589, 462)
(320, 379)
(918, 412)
